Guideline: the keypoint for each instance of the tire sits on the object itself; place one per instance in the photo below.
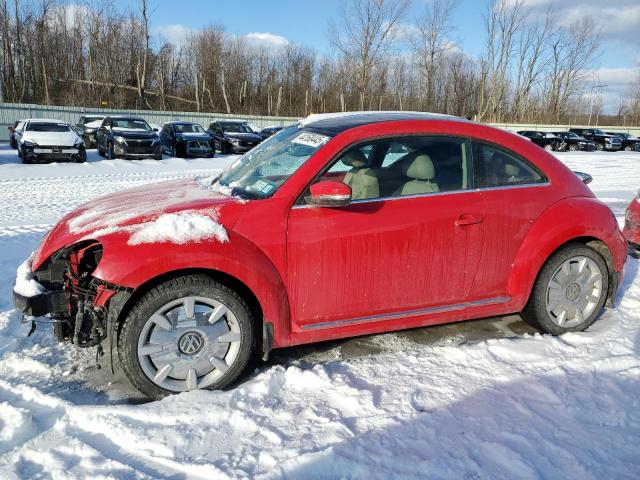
(24, 157)
(13, 143)
(62, 331)
(186, 349)
(573, 291)
(174, 151)
(573, 147)
(548, 147)
(100, 151)
(110, 153)
(628, 148)
(157, 157)
(599, 146)
(82, 156)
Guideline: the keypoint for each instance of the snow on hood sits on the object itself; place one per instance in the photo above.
(175, 211)
(58, 139)
(94, 124)
(26, 285)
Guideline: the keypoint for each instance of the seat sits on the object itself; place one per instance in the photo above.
(362, 179)
(421, 171)
(512, 173)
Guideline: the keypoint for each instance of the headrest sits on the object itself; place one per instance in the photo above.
(511, 170)
(420, 168)
(354, 158)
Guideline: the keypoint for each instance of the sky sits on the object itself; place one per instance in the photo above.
(280, 21)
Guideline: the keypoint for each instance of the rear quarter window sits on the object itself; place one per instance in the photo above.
(495, 167)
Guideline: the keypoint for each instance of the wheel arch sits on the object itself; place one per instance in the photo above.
(593, 225)
(219, 276)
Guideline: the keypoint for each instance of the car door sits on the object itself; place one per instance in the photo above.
(513, 194)
(102, 132)
(401, 252)
(166, 138)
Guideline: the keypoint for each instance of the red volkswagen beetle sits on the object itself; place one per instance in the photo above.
(337, 226)
(632, 225)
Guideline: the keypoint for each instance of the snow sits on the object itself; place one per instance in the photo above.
(518, 405)
(179, 228)
(94, 124)
(25, 284)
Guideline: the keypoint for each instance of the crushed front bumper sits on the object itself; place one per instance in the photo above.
(41, 304)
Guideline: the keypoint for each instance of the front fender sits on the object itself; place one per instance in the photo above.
(134, 265)
(567, 220)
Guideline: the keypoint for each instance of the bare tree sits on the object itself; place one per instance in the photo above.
(365, 33)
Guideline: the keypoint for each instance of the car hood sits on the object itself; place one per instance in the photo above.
(193, 136)
(122, 213)
(133, 133)
(61, 139)
(247, 137)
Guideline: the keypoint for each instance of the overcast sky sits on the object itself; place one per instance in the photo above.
(277, 22)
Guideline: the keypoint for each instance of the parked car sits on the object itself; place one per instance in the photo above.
(43, 141)
(186, 139)
(269, 131)
(128, 137)
(575, 142)
(632, 225)
(13, 142)
(233, 136)
(630, 143)
(546, 140)
(87, 128)
(601, 139)
(328, 231)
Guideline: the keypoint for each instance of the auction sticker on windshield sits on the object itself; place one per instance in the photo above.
(311, 139)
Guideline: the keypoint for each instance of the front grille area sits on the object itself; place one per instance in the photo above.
(199, 144)
(247, 144)
(139, 143)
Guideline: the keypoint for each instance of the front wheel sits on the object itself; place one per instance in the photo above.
(573, 147)
(599, 146)
(628, 148)
(570, 291)
(548, 147)
(186, 334)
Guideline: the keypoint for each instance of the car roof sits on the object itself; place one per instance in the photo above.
(181, 122)
(231, 120)
(128, 117)
(44, 120)
(339, 122)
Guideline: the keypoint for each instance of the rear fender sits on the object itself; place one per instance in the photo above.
(567, 220)
(134, 266)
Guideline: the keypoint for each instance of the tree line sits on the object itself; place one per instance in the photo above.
(97, 54)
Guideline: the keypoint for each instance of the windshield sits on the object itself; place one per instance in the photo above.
(236, 128)
(47, 127)
(130, 124)
(597, 131)
(188, 128)
(259, 173)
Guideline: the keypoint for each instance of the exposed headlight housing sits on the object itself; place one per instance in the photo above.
(120, 139)
(29, 143)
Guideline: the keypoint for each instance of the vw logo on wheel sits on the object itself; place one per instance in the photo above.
(191, 343)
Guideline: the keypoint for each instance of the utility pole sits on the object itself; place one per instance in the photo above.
(593, 88)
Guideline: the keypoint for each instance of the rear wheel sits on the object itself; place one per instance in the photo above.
(186, 334)
(573, 147)
(599, 146)
(548, 147)
(570, 291)
(628, 148)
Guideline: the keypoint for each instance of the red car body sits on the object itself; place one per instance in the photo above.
(632, 224)
(300, 263)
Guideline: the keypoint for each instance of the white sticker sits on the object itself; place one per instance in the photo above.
(310, 139)
(263, 186)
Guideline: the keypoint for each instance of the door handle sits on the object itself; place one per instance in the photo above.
(468, 219)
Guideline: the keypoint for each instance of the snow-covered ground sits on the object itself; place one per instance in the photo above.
(529, 406)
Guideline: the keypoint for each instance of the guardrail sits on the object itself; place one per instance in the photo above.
(10, 112)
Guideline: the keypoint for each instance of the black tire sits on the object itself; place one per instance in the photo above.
(111, 155)
(174, 289)
(628, 148)
(573, 147)
(82, 156)
(100, 151)
(225, 148)
(174, 151)
(535, 313)
(24, 157)
(549, 147)
(13, 143)
(599, 146)
(157, 157)
(62, 331)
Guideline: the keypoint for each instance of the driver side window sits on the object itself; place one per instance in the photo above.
(396, 167)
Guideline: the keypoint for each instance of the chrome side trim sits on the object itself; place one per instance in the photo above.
(437, 194)
(408, 313)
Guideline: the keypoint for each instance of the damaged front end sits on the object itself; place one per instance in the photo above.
(69, 295)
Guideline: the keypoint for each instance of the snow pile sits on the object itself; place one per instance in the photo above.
(26, 285)
(179, 228)
(94, 124)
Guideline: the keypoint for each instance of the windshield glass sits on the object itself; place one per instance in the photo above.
(236, 127)
(48, 127)
(130, 124)
(597, 131)
(260, 172)
(188, 128)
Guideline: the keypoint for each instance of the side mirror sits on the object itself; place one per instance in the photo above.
(155, 129)
(585, 177)
(329, 193)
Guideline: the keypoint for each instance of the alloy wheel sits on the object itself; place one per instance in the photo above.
(574, 291)
(189, 343)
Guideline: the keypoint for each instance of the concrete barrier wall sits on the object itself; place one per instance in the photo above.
(10, 112)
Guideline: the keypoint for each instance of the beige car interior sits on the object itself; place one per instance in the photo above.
(362, 179)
